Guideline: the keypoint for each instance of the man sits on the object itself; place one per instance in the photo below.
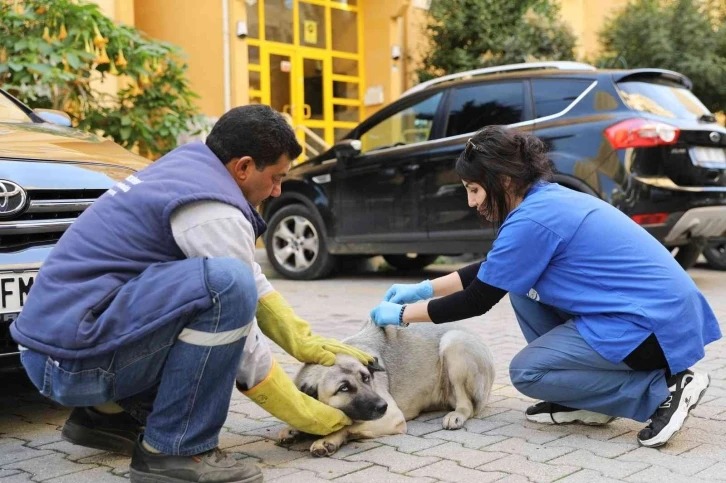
(150, 298)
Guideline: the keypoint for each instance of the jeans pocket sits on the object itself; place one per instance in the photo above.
(84, 388)
(37, 366)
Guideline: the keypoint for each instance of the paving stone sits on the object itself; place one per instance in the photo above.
(119, 464)
(394, 460)
(538, 472)
(301, 477)
(18, 478)
(377, 474)
(683, 465)
(469, 440)
(530, 435)
(73, 452)
(419, 428)
(608, 467)
(587, 476)
(96, 475)
(468, 458)
(49, 466)
(12, 450)
(271, 473)
(481, 426)
(606, 449)
(271, 431)
(6, 473)
(268, 453)
(407, 443)
(715, 472)
(656, 474)
(229, 440)
(354, 448)
(706, 451)
(534, 452)
(450, 471)
(327, 468)
(238, 423)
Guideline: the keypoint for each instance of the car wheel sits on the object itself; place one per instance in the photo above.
(715, 254)
(295, 243)
(687, 255)
(404, 262)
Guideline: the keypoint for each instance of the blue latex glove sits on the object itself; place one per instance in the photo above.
(386, 313)
(406, 293)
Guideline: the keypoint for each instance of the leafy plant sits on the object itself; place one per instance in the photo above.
(54, 54)
(469, 34)
(687, 36)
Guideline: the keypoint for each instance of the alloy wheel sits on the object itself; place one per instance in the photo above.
(295, 243)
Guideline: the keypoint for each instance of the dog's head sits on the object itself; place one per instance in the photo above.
(346, 385)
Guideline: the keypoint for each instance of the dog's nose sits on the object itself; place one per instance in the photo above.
(381, 407)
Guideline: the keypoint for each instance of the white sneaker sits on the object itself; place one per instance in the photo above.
(553, 413)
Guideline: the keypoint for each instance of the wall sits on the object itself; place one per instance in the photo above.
(197, 31)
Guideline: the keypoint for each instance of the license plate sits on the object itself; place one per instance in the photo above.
(14, 288)
(708, 157)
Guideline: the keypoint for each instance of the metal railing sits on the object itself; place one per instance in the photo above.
(310, 135)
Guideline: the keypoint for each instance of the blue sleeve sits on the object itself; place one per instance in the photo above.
(520, 254)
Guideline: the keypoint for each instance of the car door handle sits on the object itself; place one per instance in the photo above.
(410, 168)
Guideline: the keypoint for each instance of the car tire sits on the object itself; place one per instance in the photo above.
(296, 244)
(404, 262)
(687, 255)
(715, 254)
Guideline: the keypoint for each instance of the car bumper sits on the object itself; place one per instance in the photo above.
(14, 262)
(708, 222)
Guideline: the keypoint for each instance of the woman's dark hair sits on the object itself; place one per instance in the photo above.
(495, 153)
(255, 130)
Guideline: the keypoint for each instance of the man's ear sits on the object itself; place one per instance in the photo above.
(375, 366)
(242, 167)
(310, 390)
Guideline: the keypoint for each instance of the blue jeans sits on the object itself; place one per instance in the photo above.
(177, 380)
(559, 366)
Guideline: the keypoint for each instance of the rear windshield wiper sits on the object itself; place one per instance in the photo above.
(707, 118)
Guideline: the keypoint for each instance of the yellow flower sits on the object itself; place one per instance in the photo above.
(63, 32)
(40, 10)
(98, 39)
(102, 57)
(120, 59)
(113, 70)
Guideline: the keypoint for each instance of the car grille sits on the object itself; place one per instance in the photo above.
(48, 215)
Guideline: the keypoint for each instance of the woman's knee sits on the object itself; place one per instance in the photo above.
(232, 281)
(524, 371)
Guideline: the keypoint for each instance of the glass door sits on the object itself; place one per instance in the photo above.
(278, 76)
(314, 108)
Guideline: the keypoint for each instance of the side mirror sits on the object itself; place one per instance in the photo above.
(55, 117)
(347, 149)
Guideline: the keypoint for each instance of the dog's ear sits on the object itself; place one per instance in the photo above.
(375, 366)
(310, 390)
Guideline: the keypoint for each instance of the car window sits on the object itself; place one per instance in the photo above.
(661, 98)
(411, 125)
(482, 105)
(552, 96)
(9, 112)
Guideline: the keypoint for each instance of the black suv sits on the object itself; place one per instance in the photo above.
(638, 139)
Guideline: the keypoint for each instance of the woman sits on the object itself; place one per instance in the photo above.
(612, 322)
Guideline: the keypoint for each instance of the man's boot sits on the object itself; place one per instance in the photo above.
(116, 433)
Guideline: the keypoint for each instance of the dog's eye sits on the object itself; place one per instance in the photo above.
(366, 378)
(344, 388)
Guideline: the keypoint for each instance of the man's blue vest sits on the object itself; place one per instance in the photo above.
(73, 310)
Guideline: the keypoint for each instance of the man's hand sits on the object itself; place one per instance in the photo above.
(278, 321)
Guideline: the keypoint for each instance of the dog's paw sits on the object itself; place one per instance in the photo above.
(323, 447)
(288, 435)
(454, 420)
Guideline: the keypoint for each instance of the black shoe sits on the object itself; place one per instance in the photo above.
(212, 466)
(553, 413)
(110, 432)
(687, 388)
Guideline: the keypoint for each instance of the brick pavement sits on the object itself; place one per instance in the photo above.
(500, 446)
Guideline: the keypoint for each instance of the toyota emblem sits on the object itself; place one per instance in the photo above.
(12, 198)
(715, 137)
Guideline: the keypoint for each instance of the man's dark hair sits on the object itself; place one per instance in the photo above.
(496, 152)
(255, 130)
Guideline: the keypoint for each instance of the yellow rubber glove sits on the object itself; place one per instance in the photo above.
(278, 321)
(278, 395)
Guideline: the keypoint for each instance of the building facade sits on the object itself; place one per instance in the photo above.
(327, 64)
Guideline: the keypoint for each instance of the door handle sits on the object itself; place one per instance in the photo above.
(410, 168)
(307, 111)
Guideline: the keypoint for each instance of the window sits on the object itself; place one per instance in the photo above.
(485, 104)
(9, 112)
(412, 125)
(552, 96)
(661, 98)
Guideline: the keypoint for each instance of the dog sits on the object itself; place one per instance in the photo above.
(420, 368)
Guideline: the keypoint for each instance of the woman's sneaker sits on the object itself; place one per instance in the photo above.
(687, 389)
(553, 413)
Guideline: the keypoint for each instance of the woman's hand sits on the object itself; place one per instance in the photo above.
(386, 313)
(406, 293)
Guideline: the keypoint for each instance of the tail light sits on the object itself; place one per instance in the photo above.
(650, 218)
(641, 133)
